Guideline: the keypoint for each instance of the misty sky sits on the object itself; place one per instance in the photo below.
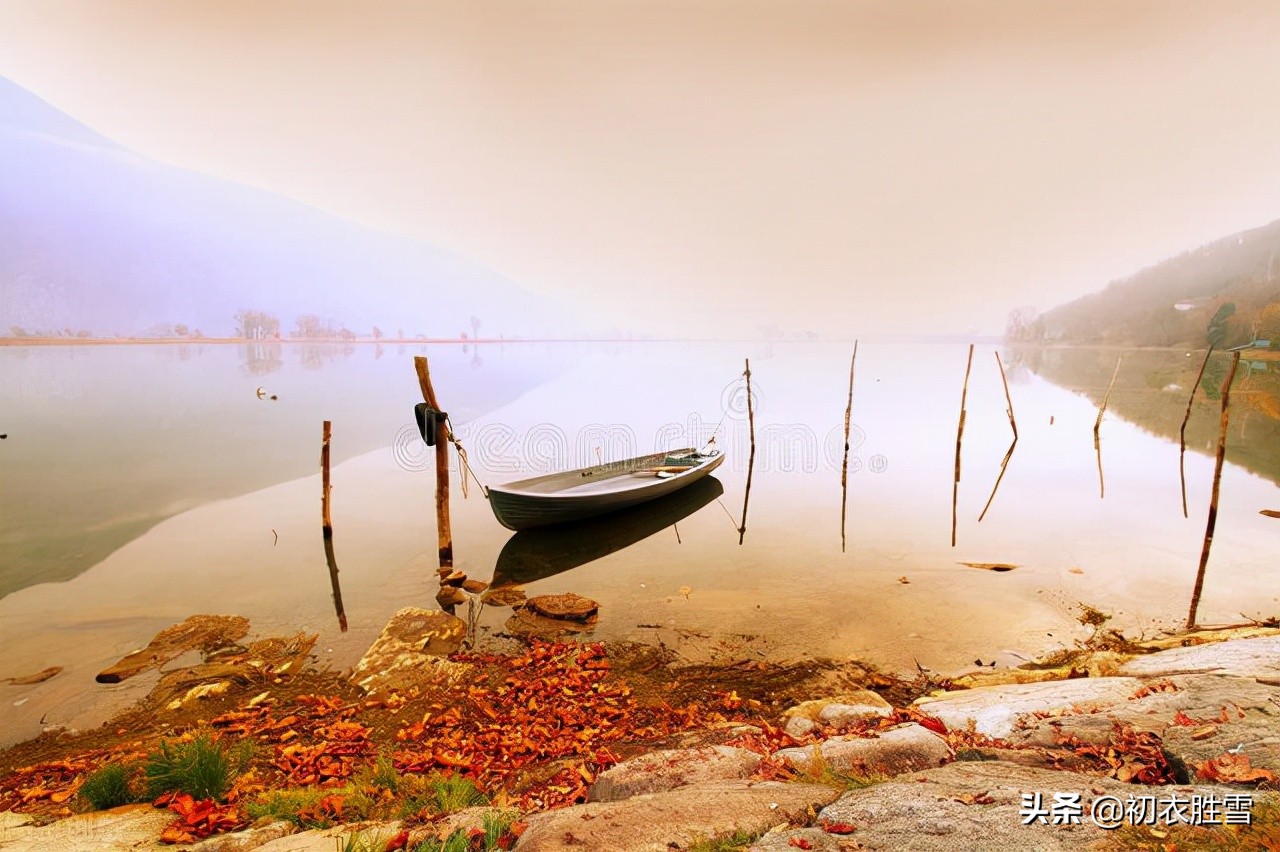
(842, 167)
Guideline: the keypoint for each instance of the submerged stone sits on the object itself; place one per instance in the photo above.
(567, 606)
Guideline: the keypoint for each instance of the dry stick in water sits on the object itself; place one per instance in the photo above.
(751, 460)
(443, 529)
(1182, 433)
(1013, 424)
(844, 470)
(1213, 497)
(326, 521)
(955, 484)
(1097, 424)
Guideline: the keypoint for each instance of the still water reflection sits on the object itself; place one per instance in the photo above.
(142, 487)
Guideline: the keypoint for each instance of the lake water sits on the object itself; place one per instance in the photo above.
(142, 484)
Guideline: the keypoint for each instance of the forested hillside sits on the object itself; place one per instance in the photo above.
(1226, 292)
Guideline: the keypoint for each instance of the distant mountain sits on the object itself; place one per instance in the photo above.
(1235, 281)
(97, 239)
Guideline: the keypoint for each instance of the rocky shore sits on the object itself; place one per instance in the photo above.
(1165, 745)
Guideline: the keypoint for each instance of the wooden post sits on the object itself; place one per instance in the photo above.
(443, 530)
(844, 468)
(751, 460)
(1182, 433)
(326, 521)
(325, 518)
(955, 483)
(1213, 498)
(1097, 425)
(1013, 424)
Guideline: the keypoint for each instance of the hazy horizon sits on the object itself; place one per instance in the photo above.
(874, 166)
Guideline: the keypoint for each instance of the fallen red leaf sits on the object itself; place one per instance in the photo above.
(1233, 769)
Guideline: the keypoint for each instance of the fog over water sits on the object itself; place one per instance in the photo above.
(900, 167)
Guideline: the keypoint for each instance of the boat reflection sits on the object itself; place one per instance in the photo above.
(535, 554)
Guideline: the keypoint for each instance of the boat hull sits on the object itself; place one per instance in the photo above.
(536, 503)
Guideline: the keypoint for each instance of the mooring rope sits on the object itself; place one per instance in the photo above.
(723, 415)
(466, 465)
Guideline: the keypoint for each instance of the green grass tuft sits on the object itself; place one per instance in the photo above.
(496, 824)
(110, 787)
(736, 842)
(202, 768)
(454, 793)
(455, 842)
(288, 806)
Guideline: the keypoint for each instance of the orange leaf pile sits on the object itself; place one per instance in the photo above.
(316, 742)
(198, 818)
(552, 703)
(1154, 687)
(1131, 756)
(50, 783)
(1233, 769)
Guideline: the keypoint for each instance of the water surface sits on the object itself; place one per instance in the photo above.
(143, 484)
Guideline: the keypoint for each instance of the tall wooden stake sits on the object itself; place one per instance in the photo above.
(1013, 424)
(955, 483)
(751, 460)
(443, 529)
(326, 522)
(1213, 498)
(844, 469)
(1097, 424)
(1182, 433)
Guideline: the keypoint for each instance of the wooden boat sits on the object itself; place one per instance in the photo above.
(536, 554)
(589, 491)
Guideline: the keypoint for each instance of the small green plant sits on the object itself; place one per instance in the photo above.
(109, 787)
(735, 842)
(496, 825)
(453, 793)
(383, 775)
(288, 805)
(361, 841)
(458, 841)
(201, 768)
(819, 771)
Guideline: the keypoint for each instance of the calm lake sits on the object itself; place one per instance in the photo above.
(142, 484)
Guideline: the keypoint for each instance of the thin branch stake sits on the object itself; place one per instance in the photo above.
(844, 470)
(751, 462)
(1013, 424)
(1097, 424)
(1182, 433)
(1213, 498)
(955, 484)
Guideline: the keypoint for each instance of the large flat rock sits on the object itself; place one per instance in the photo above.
(671, 768)
(998, 710)
(1198, 717)
(129, 827)
(660, 822)
(206, 632)
(978, 806)
(1256, 658)
(889, 753)
(366, 836)
(410, 651)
